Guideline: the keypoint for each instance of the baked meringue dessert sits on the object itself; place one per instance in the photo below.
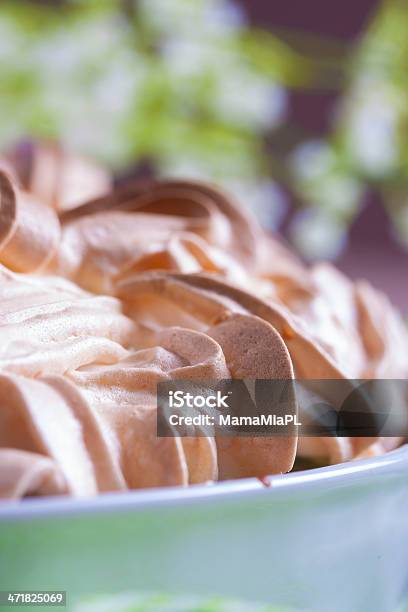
(106, 292)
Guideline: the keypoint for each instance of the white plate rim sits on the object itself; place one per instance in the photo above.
(394, 463)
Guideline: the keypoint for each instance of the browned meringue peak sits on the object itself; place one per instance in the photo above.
(254, 350)
(383, 332)
(25, 474)
(56, 176)
(49, 325)
(188, 253)
(356, 324)
(29, 230)
(155, 298)
(94, 249)
(97, 249)
(201, 300)
(185, 227)
(328, 314)
(290, 277)
(204, 209)
(124, 397)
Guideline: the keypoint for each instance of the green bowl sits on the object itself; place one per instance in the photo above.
(329, 539)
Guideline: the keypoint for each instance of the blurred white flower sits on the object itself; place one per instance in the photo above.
(12, 128)
(115, 91)
(212, 165)
(194, 19)
(90, 133)
(312, 160)
(318, 235)
(57, 56)
(11, 39)
(249, 100)
(186, 56)
(222, 15)
(238, 95)
(372, 128)
(322, 180)
(340, 194)
(86, 127)
(264, 197)
(80, 49)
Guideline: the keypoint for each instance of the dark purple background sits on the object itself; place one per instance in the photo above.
(371, 253)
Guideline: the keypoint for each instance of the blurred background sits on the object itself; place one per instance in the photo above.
(299, 108)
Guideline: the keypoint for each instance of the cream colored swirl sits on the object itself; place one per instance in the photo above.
(160, 281)
(98, 423)
(48, 325)
(127, 390)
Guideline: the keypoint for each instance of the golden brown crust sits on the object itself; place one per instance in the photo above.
(192, 289)
(208, 298)
(201, 203)
(254, 350)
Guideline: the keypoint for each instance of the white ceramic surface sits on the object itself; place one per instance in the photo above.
(329, 539)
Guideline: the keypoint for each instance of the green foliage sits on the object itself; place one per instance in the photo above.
(191, 87)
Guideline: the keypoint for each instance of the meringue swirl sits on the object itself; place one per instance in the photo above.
(155, 281)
